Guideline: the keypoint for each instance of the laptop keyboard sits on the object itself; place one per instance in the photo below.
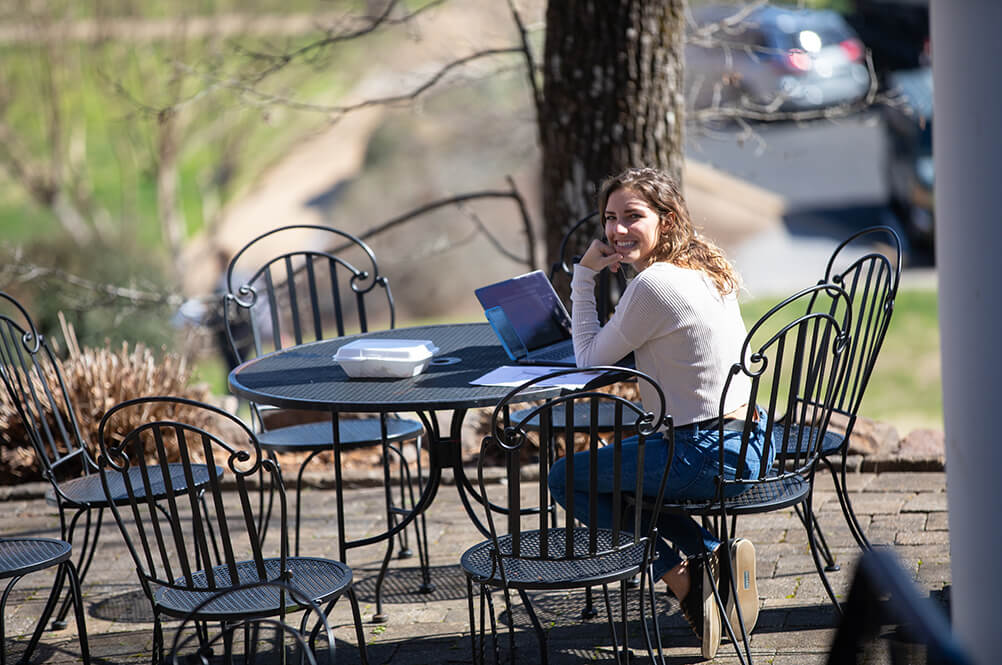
(555, 355)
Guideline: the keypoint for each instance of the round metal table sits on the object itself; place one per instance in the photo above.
(307, 377)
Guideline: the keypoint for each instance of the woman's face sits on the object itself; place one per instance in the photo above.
(632, 227)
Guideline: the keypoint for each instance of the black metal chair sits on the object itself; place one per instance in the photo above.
(870, 277)
(794, 362)
(22, 556)
(285, 638)
(35, 385)
(193, 549)
(528, 549)
(887, 621)
(302, 283)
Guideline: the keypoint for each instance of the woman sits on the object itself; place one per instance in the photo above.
(680, 318)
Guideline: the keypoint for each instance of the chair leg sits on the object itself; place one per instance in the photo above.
(494, 624)
(359, 633)
(379, 617)
(473, 623)
(87, 550)
(3, 611)
(536, 625)
(314, 633)
(622, 613)
(66, 569)
(589, 611)
(421, 525)
(404, 477)
(825, 552)
(649, 577)
(227, 644)
(617, 654)
(842, 492)
(158, 641)
(817, 558)
(728, 575)
(299, 494)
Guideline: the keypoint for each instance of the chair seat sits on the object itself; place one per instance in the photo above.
(20, 556)
(582, 416)
(759, 498)
(354, 432)
(320, 580)
(832, 443)
(531, 572)
(87, 490)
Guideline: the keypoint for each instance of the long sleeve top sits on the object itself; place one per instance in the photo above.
(682, 332)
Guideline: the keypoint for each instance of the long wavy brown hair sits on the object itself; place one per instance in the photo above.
(680, 244)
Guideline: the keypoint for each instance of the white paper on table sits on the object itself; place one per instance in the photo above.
(508, 375)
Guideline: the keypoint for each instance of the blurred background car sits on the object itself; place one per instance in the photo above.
(909, 162)
(774, 57)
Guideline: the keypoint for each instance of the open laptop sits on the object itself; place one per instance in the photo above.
(530, 321)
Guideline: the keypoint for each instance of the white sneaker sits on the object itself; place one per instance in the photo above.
(743, 567)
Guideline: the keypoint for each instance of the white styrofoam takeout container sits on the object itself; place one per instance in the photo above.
(385, 358)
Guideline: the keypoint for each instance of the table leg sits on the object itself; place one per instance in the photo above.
(394, 526)
(453, 449)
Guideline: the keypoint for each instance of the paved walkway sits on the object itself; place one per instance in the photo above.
(904, 510)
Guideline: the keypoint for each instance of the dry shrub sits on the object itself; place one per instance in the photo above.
(97, 379)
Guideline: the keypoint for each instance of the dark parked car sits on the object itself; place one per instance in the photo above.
(910, 173)
(784, 59)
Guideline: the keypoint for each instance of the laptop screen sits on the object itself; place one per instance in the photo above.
(531, 306)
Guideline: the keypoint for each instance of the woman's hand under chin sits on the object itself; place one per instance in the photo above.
(601, 255)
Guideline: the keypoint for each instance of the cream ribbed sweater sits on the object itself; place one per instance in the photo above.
(681, 330)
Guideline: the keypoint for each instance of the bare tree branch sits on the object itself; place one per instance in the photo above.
(279, 61)
(480, 227)
(537, 94)
(458, 200)
(268, 98)
(24, 272)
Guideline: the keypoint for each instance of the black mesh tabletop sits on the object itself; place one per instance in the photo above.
(20, 556)
(307, 377)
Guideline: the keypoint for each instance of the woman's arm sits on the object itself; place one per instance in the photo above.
(593, 343)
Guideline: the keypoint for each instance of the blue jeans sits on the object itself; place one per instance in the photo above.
(691, 477)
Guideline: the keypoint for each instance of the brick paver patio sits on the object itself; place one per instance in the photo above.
(905, 511)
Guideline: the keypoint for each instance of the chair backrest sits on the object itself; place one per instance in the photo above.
(610, 285)
(187, 638)
(301, 283)
(870, 277)
(794, 362)
(525, 525)
(174, 538)
(36, 388)
(887, 621)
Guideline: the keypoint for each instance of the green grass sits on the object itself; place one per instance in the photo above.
(905, 389)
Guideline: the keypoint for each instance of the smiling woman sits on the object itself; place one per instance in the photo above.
(680, 318)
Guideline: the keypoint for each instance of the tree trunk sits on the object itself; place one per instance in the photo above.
(612, 98)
